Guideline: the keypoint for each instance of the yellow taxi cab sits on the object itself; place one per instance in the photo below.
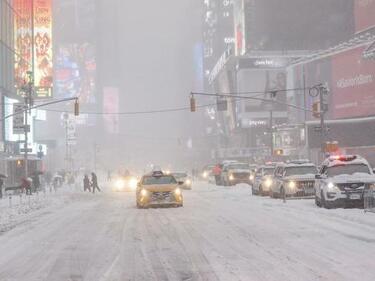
(159, 189)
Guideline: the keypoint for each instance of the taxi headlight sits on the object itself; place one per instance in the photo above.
(205, 175)
(251, 177)
(144, 192)
(188, 182)
(231, 177)
(177, 191)
(133, 183)
(268, 182)
(331, 187)
(119, 184)
(292, 185)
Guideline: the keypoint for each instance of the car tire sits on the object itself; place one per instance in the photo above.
(261, 191)
(281, 194)
(272, 194)
(324, 202)
(318, 201)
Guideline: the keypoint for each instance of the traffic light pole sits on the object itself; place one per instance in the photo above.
(323, 110)
(28, 104)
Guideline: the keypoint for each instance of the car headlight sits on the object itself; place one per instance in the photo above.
(133, 182)
(205, 175)
(268, 182)
(120, 184)
(292, 185)
(144, 192)
(251, 177)
(188, 182)
(177, 191)
(331, 187)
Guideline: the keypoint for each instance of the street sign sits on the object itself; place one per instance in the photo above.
(28, 150)
(18, 119)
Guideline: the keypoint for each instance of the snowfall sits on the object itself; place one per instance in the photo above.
(221, 233)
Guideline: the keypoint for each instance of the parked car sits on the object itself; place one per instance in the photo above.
(342, 181)
(294, 179)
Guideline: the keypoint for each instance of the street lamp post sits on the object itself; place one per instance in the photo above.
(28, 103)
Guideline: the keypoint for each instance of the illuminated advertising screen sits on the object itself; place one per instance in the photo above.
(43, 61)
(364, 11)
(75, 72)
(111, 107)
(353, 85)
(22, 40)
(41, 11)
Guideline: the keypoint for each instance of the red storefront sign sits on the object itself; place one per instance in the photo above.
(364, 11)
(353, 85)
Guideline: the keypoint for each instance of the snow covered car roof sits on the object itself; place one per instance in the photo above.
(345, 160)
(297, 164)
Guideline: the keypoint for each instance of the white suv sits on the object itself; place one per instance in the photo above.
(294, 179)
(342, 181)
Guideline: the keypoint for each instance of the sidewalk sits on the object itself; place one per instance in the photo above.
(17, 209)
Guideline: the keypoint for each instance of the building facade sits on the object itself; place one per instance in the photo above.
(272, 56)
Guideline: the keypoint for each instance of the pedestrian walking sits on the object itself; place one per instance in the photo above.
(217, 173)
(48, 178)
(1, 188)
(86, 183)
(36, 182)
(94, 183)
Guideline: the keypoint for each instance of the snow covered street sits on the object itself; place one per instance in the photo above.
(221, 233)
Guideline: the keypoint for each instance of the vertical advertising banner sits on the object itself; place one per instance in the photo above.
(111, 107)
(22, 40)
(33, 18)
(364, 11)
(43, 63)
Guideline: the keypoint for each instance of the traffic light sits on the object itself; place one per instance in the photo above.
(222, 104)
(278, 152)
(193, 106)
(76, 108)
(19, 163)
(316, 109)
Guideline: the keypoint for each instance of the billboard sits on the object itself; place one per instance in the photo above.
(255, 113)
(43, 63)
(353, 85)
(364, 11)
(111, 108)
(22, 40)
(75, 72)
(34, 53)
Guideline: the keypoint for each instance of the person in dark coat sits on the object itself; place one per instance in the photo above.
(1, 188)
(86, 183)
(36, 182)
(94, 182)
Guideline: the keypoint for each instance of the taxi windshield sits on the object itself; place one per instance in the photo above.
(151, 180)
(303, 170)
(349, 169)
